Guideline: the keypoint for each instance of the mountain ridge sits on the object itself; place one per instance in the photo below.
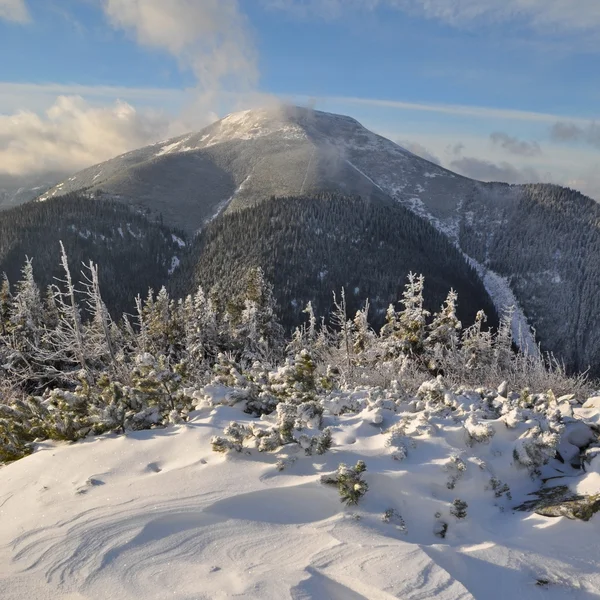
(251, 156)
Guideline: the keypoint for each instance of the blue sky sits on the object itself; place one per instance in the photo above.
(496, 90)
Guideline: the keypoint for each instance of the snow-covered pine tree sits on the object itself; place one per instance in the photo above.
(503, 343)
(363, 335)
(5, 305)
(258, 329)
(99, 332)
(389, 336)
(200, 327)
(27, 311)
(405, 331)
(477, 346)
(444, 330)
(24, 330)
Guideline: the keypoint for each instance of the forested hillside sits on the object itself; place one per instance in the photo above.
(133, 252)
(310, 246)
(546, 240)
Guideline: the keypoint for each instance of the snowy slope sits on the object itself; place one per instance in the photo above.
(157, 514)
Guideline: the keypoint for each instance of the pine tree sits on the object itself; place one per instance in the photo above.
(445, 327)
(405, 331)
(258, 328)
(477, 347)
(27, 311)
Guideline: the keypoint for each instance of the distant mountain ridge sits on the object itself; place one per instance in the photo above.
(19, 189)
(251, 156)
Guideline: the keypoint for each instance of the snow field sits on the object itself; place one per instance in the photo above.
(158, 514)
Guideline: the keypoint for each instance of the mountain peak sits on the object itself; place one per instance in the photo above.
(289, 121)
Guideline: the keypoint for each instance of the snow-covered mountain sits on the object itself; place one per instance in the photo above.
(254, 155)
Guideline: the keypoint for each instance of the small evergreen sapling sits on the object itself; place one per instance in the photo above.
(349, 482)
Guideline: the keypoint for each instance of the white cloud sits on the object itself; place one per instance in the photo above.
(486, 170)
(211, 37)
(419, 150)
(72, 135)
(14, 10)
(546, 15)
(483, 112)
(567, 131)
(514, 145)
(38, 98)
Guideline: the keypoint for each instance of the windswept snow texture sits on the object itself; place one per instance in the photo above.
(157, 514)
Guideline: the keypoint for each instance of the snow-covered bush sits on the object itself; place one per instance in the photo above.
(349, 482)
(459, 508)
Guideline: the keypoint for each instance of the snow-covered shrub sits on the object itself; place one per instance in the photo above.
(21, 423)
(477, 431)
(455, 467)
(535, 448)
(233, 438)
(440, 527)
(349, 482)
(459, 508)
(500, 489)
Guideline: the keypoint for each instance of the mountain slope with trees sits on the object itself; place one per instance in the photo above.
(309, 246)
(248, 157)
(546, 240)
(134, 253)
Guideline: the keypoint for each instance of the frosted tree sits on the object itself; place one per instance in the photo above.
(413, 316)
(305, 336)
(345, 328)
(503, 354)
(405, 331)
(24, 331)
(200, 327)
(63, 347)
(99, 332)
(258, 328)
(6, 301)
(389, 334)
(363, 334)
(27, 307)
(445, 328)
(477, 349)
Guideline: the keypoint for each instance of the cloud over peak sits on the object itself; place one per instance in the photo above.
(211, 37)
(485, 170)
(567, 131)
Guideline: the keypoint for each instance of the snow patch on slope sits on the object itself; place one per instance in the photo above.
(504, 299)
